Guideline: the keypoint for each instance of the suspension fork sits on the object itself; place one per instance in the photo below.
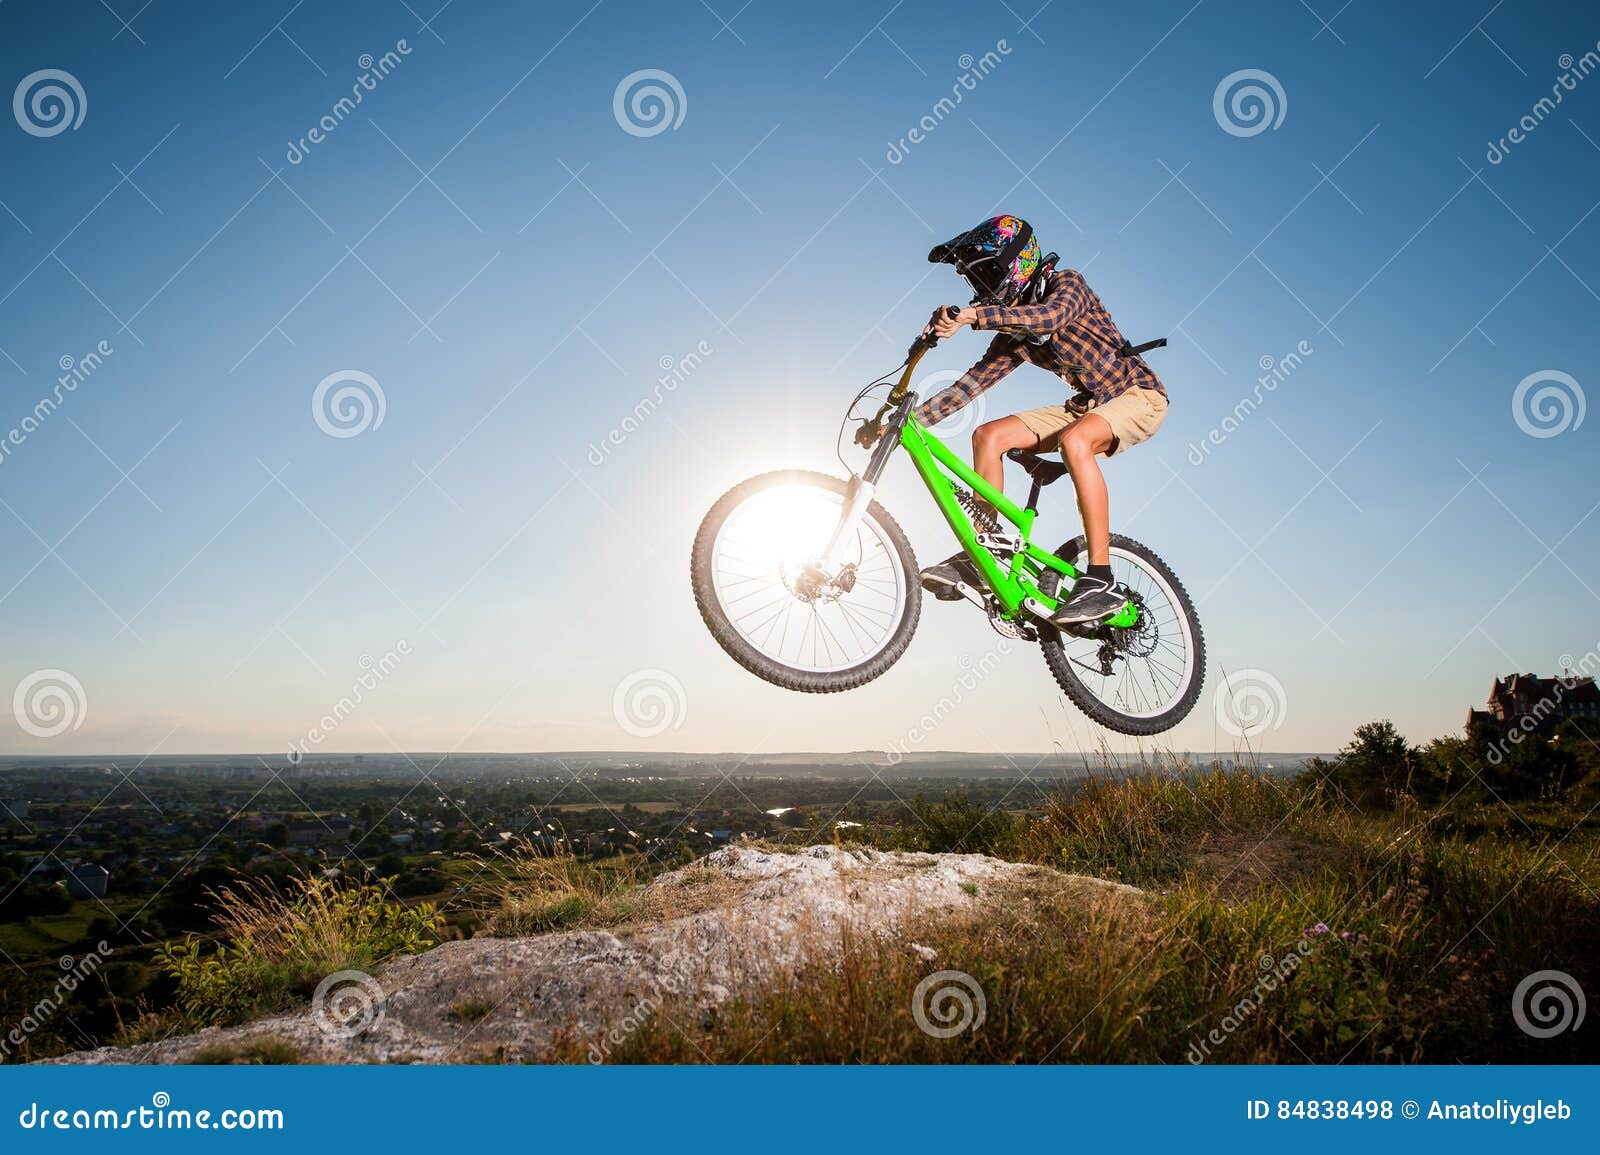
(859, 490)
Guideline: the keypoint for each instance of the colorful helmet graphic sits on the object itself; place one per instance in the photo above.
(998, 258)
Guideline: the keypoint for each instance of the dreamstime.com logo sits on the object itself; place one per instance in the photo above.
(947, 1003)
(160, 1115)
(1248, 102)
(1546, 1003)
(1548, 403)
(648, 102)
(348, 403)
(48, 102)
(1250, 702)
(347, 1004)
(48, 703)
(648, 703)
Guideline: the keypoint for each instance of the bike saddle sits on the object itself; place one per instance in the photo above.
(1042, 471)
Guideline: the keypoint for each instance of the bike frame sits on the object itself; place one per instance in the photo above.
(1015, 586)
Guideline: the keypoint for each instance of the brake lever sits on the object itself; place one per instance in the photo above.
(871, 430)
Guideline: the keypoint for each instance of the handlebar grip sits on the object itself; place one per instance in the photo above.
(952, 312)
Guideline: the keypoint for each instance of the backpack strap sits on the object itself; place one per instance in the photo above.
(1128, 350)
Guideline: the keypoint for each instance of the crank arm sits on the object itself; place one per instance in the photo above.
(972, 594)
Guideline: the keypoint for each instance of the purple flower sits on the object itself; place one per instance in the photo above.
(1320, 928)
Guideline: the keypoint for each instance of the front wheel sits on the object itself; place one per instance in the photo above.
(1141, 680)
(767, 605)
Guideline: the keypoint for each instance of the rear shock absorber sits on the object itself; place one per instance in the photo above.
(981, 517)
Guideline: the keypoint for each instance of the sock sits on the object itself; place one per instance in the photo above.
(1102, 573)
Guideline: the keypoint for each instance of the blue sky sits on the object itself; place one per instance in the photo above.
(483, 239)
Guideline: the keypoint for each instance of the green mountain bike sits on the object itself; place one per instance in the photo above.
(807, 582)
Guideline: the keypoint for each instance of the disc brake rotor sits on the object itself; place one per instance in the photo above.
(1139, 640)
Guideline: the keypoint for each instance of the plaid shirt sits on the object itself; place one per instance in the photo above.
(1083, 342)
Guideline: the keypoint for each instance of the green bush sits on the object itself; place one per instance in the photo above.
(278, 944)
(956, 824)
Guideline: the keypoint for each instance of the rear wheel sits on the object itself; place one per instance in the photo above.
(1141, 680)
(766, 604)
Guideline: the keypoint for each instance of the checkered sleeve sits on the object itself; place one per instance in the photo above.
(999, 359)
(1063, 304)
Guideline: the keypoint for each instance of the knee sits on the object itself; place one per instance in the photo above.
(988, 438)
(1078, 448)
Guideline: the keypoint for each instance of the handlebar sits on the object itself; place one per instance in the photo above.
(928, 340)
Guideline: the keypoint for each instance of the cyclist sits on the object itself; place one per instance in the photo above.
(1055, 321)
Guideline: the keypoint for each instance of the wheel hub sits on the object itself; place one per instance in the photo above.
(811, 585)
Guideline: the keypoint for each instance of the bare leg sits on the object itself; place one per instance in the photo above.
(991, 440)
(1082, 441)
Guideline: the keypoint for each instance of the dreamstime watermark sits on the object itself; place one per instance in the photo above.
(48, 703)
(649, 702)
(74, 372)
(676, 978)
(75, 972)
(48, 102)
(675, 371)
(1548, 403)
(964, 420)
(1274, 372)
(971, 677)
(373, 673)
(373, 69)
(1248, 102)
(347, 1004)
(1274, 974)
(1249, 702)
(1546, 708)
(948, 1003)
(648, 102)
(348, 403)
(1572, 71)
(623, 1029)
(1547, 1003)
(973, 69)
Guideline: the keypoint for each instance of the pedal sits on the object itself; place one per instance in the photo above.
(1038, 609)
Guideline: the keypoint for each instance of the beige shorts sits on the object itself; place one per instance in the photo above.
(1134, 416)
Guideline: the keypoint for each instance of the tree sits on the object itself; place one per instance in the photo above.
(1375, 767)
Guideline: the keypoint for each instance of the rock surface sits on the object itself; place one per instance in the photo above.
(748, 914)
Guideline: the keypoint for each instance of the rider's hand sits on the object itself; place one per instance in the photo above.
(943, 325)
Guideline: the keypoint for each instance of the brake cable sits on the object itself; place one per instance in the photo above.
(849, 413)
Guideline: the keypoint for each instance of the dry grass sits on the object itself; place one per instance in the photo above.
(1406, 942)
(263, 1051)
(534, 892)
(274, 945)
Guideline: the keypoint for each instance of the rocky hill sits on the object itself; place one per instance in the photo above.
(734, 920)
